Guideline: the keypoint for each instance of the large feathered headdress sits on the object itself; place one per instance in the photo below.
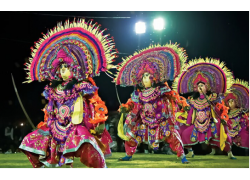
(162, 62)
(211, 72)
(79, 44)
(240, 93)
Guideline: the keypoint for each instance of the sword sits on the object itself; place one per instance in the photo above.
(21, 104)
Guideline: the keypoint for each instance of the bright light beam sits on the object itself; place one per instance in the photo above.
(158, 24)
(140, 27)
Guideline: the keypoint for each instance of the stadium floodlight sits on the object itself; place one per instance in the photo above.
(158, 24)
(140, 27)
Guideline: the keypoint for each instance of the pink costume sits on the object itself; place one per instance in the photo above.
(150, 117)
(75, 114)
(239, 116)
(201, 125)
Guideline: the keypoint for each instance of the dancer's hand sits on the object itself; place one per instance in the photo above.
(223, 122)
(100, 128)
(186, 108)
(122, 109)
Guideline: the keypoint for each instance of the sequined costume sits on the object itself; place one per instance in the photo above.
(150, 117)
(207, 119)
(75, 114)
(239, 116)
(201, 126)
(151, 120)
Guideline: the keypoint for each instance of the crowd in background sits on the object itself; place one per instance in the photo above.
(11, 136)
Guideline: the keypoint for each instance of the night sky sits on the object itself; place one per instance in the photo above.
(223, 35)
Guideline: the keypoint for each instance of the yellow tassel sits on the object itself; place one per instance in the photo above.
(100, 144)
(92, 131)
(193, 116)
(120, 129)
(182, 114)
(77, 116)
(223, 137)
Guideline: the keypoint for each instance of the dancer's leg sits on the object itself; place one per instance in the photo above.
(175, 143)
(130, 148)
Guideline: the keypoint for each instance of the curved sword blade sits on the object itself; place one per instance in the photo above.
(21, 104)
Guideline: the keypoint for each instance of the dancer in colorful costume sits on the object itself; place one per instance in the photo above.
(238, 103)
(69, 56)
(150, 115)
(207, 118)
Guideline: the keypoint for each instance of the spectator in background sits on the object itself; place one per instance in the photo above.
(8, 139)
(143, 147)
(17, 137)
(113, 135)
(111, 126)
(166, 149)
(107, 126)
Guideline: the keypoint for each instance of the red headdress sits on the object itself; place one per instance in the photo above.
(62, 57)
(200, 78)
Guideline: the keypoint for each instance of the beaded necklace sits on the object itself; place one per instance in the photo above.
(201, 104)
(149, 94)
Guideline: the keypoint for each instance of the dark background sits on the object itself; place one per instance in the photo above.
(223, 35)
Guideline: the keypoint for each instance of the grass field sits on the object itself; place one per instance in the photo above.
(19, 160)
